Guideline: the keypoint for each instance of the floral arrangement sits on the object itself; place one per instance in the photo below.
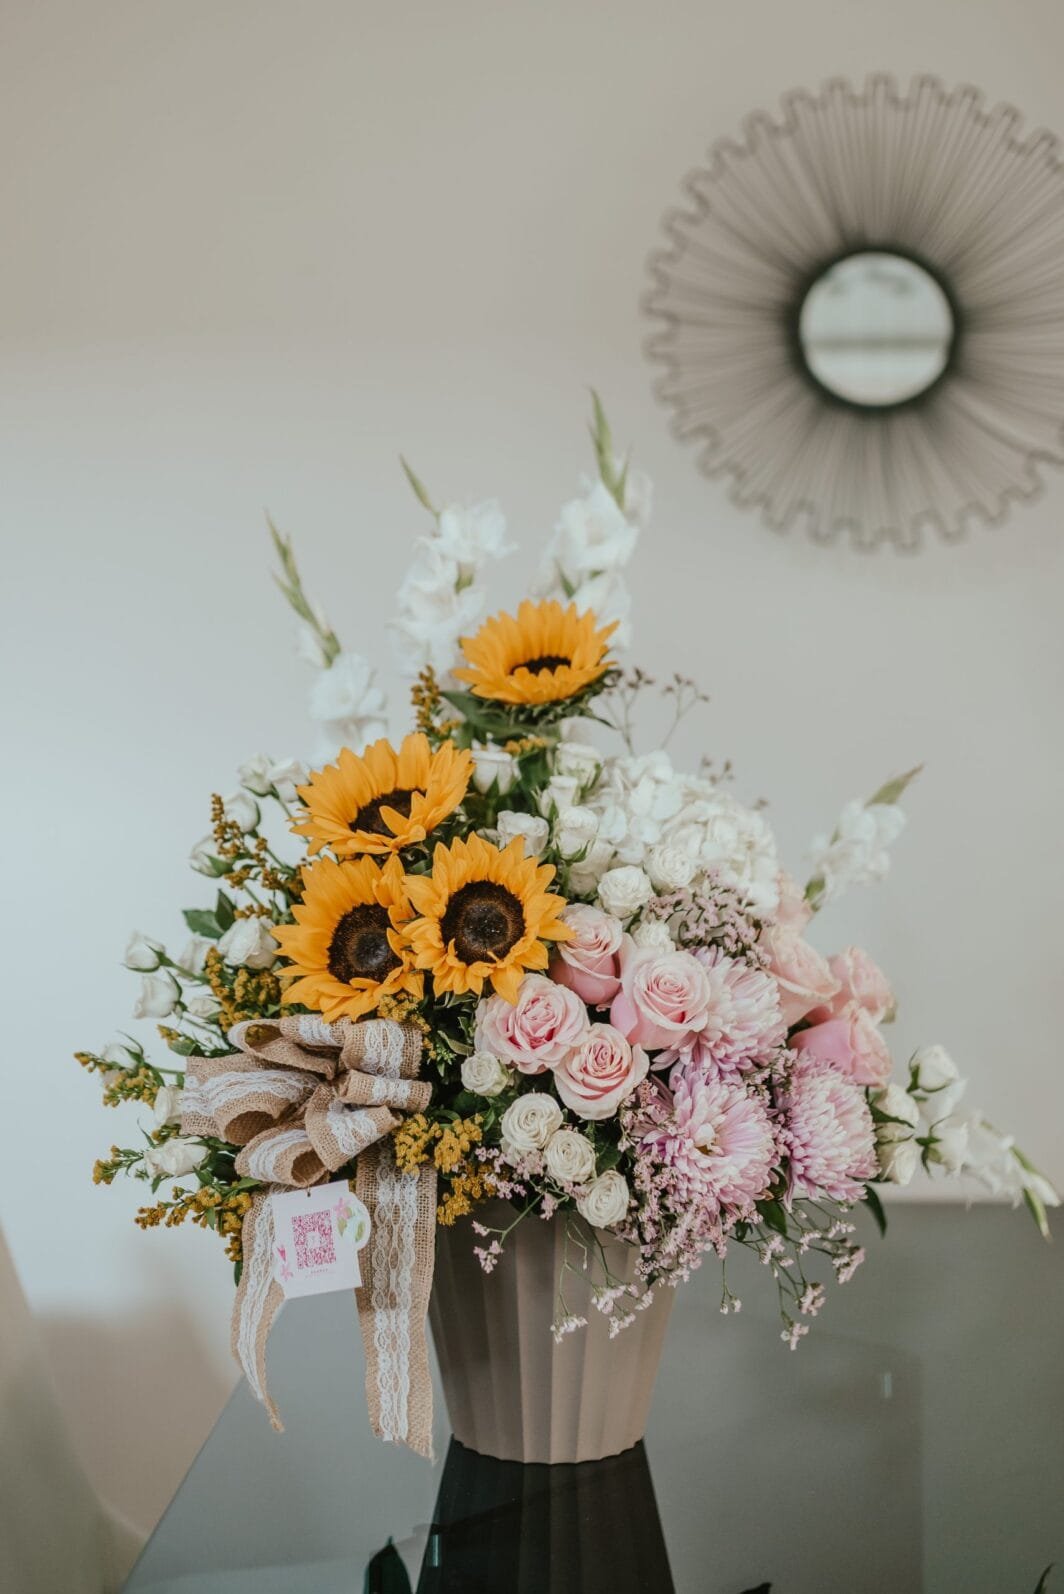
(623, 1016)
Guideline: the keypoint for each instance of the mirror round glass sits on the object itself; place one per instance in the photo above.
(876, 329)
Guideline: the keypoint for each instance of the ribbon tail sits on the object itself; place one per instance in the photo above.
(258, 1300)
(393, 1299)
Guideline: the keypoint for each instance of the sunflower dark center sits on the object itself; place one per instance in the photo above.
(359, 948)
(484, 921)
(545, 661)
(369, 815)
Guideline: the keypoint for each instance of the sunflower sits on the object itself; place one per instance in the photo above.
(485, 914)
(385, 799)
(545, 655)
(347, 943)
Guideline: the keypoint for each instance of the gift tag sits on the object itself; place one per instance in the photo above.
(318, 1234)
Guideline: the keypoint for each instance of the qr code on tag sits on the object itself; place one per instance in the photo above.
(313, 1233)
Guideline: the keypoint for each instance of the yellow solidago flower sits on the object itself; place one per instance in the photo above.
(545, 654)
(485, 914)
(347, 944)
(384, 800)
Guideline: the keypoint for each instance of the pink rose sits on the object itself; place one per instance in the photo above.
(536, 1032)
(588, 963)
(851, 1043)
(793, 912)
(596, 1078)
(805, 981)
(664, 997)
(861, 981)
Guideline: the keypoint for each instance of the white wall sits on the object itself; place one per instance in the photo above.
(251, 252)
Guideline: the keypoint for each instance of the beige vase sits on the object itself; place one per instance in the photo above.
(514, 1393)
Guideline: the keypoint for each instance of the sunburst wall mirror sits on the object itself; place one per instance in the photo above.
(859, 312)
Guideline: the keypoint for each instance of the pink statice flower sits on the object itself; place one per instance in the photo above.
(743, 1026)
(715, 1143)
(827, 1133)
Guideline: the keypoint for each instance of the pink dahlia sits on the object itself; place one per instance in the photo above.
(743, 1019)
(827, 1132)
(717, 1144)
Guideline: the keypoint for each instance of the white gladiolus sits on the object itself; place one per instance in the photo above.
(569, 1157)
(623, 891)
(470, 536)
(899, 1160)
(605, 1202)
(607, 597)
(493, 764)
(347, 705)
(158, 996)
(533, 831)
(168, 1104)
(174, 1157)
(857, 854)
(484, 1074)
(248, 944)
(436, 605)
(142, 953)
(994, 1160)
(528, 1123)
(592, 536)
(241, 809)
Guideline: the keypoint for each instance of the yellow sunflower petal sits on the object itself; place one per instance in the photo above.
(546, 654)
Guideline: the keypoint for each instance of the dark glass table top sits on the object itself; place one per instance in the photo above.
(913, 1444)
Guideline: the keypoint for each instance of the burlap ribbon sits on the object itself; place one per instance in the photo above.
(302, 1098)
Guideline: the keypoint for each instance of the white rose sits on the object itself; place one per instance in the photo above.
(592, 535)
(898, 1104)
(194, 956)
(485, 1074)
(206, 1005)
(533, 831)
(624, 891)
(580, 760)
(569, 1157)
(949, 1147)
(168, 1104)
(241, 809)
(559, 793)
(254, 775)
(248, 943)
(575, 829)
(158, 995)
(470, 536)
(142, 953)
(119, 1056)
(286, 775)
(493, 764)
(669, 868)
(899, 1160)
(202, 856)
(174, 1157)
(652, 935)
(605, 1202)
(528, 1123)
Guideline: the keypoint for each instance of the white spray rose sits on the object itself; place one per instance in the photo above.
(485, 1074)
(575, 829)
(142, 953)
(937, 1081)
(580, 760)
(168, 1104)
(493, 764)
(899, 1160)
(158, 995)
(202, 855)
(241, 809)
(605, 1202)
(560, 792)
(528, 1123)
(174, 1157)
(254, 774)
(119, 1056)
(194, 956)
(652, 935)
(624, 891)
(669, 867)
(248, 944)
(286, 775)
(206, 1005)
(897, 1104)
(472, 535)
(585, 875)
(949, 1148)
(533, 831)
(569, 1157)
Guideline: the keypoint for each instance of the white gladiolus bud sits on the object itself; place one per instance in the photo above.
(605, 1202)
(174, 1157)
(670, 868)
(899, 1160)
(142, 953)
(533, 830)
(528, 1123)
(168, 1104)
(202, 855)
(158, 995)
(652, 935)
(569, 1157)
(484, 1074)
(241, 809)
(624, 891)
(493, 764)
(580, 760)
(248, 944)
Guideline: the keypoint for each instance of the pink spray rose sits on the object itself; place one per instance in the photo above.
(589, 963)
(851, 1043)
(664, 996)
(536, 1032)
(596, 1078)
(805, 981)
(862, 981)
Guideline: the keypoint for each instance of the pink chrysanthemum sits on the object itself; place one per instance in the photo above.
(827, 1133)
(716, 1145)
(744, 1024)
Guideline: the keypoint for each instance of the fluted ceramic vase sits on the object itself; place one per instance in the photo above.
(511, 1390)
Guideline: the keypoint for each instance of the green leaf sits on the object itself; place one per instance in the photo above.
(1036, 1207)
(773, 1216)
(1043, 1581)
(893, 789)
(183, 1045)
(224, 911)
(875, 1206)
(419, 489)
(201, 921)
(386, 1573)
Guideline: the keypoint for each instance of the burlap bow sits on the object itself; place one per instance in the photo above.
(302, 1098)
